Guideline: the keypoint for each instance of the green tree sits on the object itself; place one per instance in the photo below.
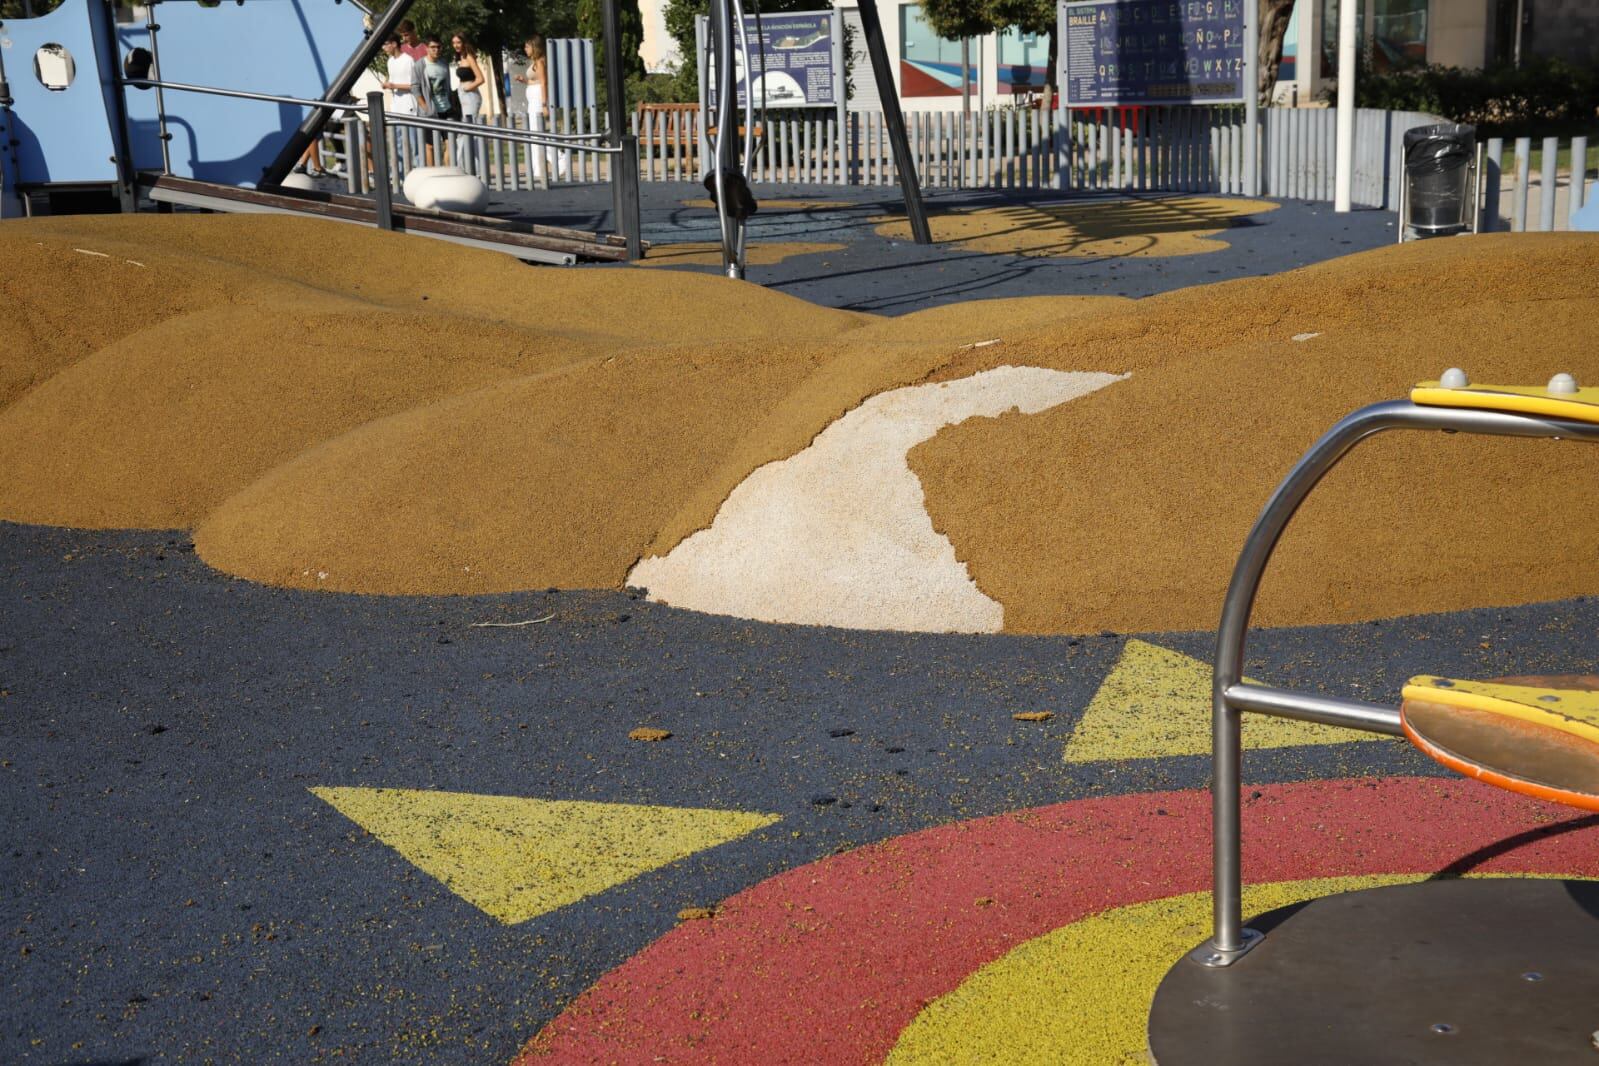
(494, 26)
(631, 23)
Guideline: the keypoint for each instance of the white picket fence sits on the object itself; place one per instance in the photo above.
(1179, 149)
(1509, 192)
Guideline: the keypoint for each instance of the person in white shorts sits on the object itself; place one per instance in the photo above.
(536, 79)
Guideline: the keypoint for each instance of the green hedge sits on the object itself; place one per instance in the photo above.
(1542, 98)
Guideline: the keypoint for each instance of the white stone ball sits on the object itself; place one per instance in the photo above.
(451, 192)
(421, 174)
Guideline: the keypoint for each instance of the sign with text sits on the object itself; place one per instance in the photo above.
(1121, 52)
(797, 56)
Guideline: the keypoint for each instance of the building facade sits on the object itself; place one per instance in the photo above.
(1398, 34)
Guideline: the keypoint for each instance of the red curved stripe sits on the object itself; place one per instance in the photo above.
(829, 962)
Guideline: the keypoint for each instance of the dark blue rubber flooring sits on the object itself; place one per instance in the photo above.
(173, 891)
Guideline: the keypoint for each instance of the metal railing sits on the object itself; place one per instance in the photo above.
(624, 176)
(1231, 695)
(1557, 186)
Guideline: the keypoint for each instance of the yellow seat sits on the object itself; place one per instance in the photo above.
(1538, 736)
(1578, 405)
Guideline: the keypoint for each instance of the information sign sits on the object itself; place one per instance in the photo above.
(802, 65)
(1121, 52)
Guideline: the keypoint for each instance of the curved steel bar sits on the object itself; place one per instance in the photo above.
(552, 140)
(742, 228)
(1309, 707)
(1229, 697)
(238, 94)
(725, 105)
(473, 129)
(151, 28)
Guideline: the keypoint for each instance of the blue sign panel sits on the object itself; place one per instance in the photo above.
(1120, 52)
(796, 58)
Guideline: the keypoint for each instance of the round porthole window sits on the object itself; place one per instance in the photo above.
(54, 67)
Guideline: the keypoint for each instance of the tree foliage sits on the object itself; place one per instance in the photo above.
(630, 21)
(494, 25)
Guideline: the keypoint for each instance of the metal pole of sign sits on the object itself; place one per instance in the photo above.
(840, 93)
(1344, 147)
(1252, 97)
(894, 119)
(381, 189)
(702, 69)
(343, 82)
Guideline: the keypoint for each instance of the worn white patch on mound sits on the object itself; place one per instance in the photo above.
(839, 534)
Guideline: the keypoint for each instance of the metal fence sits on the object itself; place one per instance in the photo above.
(1527, 185)
(1544, 198)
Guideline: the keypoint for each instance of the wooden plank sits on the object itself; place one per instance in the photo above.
(354, 209)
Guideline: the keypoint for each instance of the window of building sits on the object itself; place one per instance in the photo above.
(928, 64)
(1393, 35)
(1288, 69)
(1023, 61)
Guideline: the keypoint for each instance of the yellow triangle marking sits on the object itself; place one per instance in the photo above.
(1156, 702)
(515, 859)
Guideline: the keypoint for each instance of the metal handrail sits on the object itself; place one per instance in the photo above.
(1231, 696)
(394, 118)
(548, 140)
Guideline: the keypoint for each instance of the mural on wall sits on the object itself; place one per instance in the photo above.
(1023, 62)
(930, 65)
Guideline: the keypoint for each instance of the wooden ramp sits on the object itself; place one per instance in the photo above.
(534, 243)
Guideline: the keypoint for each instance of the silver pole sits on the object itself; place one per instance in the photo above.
(151, 27)
(1252, 97)
(1229, 696)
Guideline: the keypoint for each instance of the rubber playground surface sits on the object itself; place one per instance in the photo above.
(304, 821)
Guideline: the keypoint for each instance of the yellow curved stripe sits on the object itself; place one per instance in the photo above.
(1577, 712)
(1581, 406)
(1079, 996)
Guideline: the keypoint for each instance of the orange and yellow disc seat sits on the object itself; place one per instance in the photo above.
(1536, 735)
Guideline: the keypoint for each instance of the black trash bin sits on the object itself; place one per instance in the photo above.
(1440, 178)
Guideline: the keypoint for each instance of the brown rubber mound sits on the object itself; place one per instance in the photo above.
(333, 407)
(1125, 510)
(208, 350)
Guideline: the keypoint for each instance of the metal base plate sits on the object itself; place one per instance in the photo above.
(1489, 971)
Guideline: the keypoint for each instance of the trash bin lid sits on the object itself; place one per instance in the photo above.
(1442, 146)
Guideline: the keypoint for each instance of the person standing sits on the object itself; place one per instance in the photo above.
(437, 100)
(400, 81)
(410, 43)
(469, 79)
(536, 78)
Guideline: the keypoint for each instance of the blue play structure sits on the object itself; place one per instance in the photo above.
(66, 135)
(207, 105)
